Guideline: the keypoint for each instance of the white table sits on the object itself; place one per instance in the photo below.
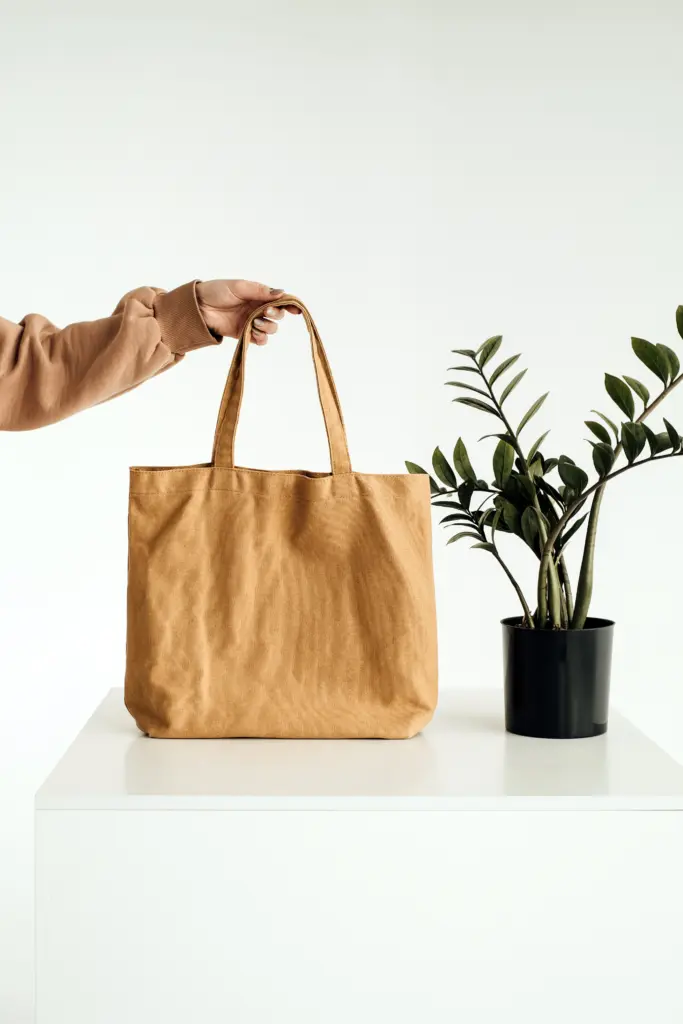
(464, 875)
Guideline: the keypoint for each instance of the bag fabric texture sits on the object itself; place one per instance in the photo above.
(280, 604)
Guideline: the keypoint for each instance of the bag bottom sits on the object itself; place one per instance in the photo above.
(402, 727)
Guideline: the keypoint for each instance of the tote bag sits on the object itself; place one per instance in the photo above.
(280, 604)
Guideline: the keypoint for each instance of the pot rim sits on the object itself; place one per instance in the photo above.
(597, 624)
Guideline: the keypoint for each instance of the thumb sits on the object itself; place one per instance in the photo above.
(252, 291)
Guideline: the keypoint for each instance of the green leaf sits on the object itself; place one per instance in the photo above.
(455, 517)
(465, 492)
(503, 461)
(465, 533)
(599, 431)
(442, 469)
(531, 412)
(501, 437)
(633, 439)
(651, 440)
(674, 436)
(536, 467)
(639, 389)
(413, 467)
(484, 547)
(652, 357)
(505, 365)
(548, 488)
(468, 387)
(496, 524)
(658, 442)
(671, 360)
(679, 320)
(461, 461)
(447, 504)
(536, 445)
(621, 394)
(488, 350)
(566, 537)
(509, 388)
(475, 403)
(571, 475)
(511, 517)
(464, 352)
(539, 515)
(529, 525)
(603, 458)
(609, 422)
(464, 369)
(526, 487)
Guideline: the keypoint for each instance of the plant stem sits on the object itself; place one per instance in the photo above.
(564, 615)
(584, 590)
(567, 584)
(573, 508)
(527, 611)
(554, 597)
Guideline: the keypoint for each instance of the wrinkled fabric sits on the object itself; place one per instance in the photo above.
(280, 604)
(48, 373)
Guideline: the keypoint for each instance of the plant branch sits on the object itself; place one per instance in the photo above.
(585, 588)
(618, 472)
(527, 611)
(554, 598)
(584, 591)
(567, 584)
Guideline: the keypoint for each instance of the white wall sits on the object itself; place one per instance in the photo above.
(424, 175)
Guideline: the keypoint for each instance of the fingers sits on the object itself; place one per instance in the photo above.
(264, 326)
(261, 328)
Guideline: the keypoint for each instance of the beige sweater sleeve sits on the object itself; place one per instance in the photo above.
(48, 373)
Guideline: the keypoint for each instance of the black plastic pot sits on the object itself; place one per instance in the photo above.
(557, 681)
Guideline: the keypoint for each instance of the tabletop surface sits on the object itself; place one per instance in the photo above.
(464, 760)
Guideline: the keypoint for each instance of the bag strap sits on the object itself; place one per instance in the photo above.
(228, 415)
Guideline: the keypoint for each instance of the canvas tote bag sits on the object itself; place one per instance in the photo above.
(283, 604)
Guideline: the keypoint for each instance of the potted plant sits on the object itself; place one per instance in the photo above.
(557, 657)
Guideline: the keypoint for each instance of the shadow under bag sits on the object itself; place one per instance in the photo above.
(283, 604)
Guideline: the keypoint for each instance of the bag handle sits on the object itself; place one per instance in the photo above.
(228, 415)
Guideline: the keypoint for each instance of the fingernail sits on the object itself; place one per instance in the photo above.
(276, 291)
(259, 323)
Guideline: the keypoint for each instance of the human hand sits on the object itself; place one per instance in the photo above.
(226, 305)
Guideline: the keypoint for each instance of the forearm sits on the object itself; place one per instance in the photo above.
(47, 373)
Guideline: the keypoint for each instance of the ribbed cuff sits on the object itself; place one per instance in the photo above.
(182, 325)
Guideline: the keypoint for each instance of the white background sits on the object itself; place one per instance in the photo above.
(424, 175)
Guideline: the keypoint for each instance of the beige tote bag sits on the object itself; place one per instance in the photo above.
(283, 604)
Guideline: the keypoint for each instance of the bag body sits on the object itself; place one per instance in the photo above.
(280, 604)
